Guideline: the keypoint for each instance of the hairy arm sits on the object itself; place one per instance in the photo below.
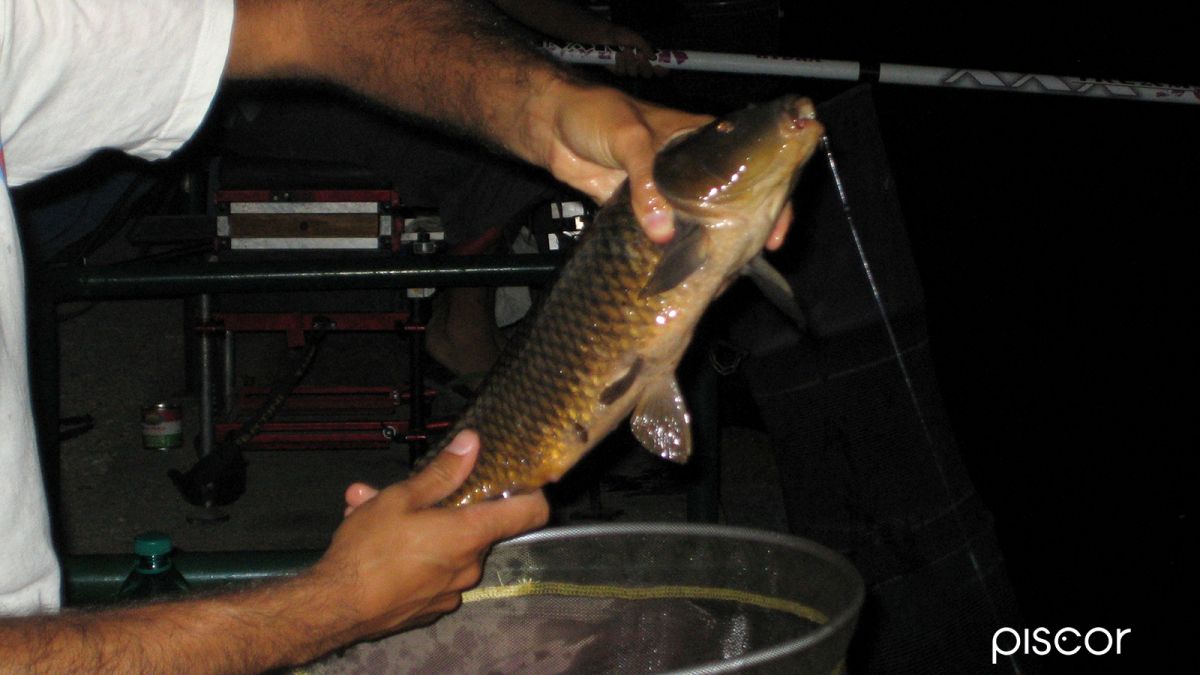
(453, 61)
(394, 563)
(271, 626)
(464, 65)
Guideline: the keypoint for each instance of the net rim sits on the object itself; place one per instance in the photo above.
(839, 621)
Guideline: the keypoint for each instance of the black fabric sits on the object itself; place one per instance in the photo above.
(868, 71)
(868, 460)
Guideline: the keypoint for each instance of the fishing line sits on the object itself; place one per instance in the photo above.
(908, 382)
(878, 295)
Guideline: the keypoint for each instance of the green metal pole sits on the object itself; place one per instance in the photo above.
(94, 579)
(233, 276)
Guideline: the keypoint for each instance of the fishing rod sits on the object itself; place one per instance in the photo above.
(891, 73)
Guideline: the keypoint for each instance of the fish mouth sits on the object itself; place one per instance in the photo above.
(798, 115)
(743, 158)
(801, 131)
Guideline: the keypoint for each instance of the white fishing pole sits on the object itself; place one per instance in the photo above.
(891, 73)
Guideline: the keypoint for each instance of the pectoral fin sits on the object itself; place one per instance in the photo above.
(661, 421)
(618, 387)
(776, 288)
(684, 254)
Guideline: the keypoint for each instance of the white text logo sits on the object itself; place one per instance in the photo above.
(1066, 641)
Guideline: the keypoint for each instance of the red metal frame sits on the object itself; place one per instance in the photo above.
(381, 404)
(355, 416)
(331, 398)
(374, 434)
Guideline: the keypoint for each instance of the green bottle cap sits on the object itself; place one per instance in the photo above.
(152, 543)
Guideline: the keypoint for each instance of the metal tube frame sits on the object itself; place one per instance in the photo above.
(226, 276)
(94, 579)
(63, 283)
(91, 579)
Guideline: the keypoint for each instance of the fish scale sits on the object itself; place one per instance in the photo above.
(591, 314)
(612, 329)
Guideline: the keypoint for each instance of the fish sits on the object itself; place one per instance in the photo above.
(612, 329)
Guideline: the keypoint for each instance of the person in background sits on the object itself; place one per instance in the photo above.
(76, 77)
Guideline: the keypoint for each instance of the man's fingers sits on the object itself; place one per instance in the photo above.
(439, 605)
(444, 474)
(598, 145)
(652, 211)
(467, 577)
(446, 603)
(633, 149)
(357, 495)
(506, 518)
(636, 154)
(775, 240)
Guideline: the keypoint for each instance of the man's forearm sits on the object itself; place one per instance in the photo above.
(456, 61)
(460, 62)
(394, 563)
(281, 624)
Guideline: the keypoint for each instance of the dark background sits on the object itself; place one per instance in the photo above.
(1052, 238)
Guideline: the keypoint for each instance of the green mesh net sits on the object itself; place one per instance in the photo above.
(637, 598)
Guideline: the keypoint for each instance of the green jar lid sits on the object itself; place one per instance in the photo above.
(152, 543)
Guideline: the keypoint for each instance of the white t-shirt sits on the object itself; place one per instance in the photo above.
(77, 76)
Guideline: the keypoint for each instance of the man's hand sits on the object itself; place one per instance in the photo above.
(598, 136)
(593, 137)
(398, 561)
(775, 240)
(460, 65)
(394, 562)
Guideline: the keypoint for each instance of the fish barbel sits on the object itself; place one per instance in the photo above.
(614, 326)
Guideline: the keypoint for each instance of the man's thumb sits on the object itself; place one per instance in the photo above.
(441, 477)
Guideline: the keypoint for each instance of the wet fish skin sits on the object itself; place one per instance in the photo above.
(611, 332)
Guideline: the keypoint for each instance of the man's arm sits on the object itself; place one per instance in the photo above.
(393, 563)
(460, 62)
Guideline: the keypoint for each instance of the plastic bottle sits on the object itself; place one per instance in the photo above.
(155, 574)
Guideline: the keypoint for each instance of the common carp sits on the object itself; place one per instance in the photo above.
(614, 326)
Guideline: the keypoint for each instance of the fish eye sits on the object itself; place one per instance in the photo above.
(725, 126)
